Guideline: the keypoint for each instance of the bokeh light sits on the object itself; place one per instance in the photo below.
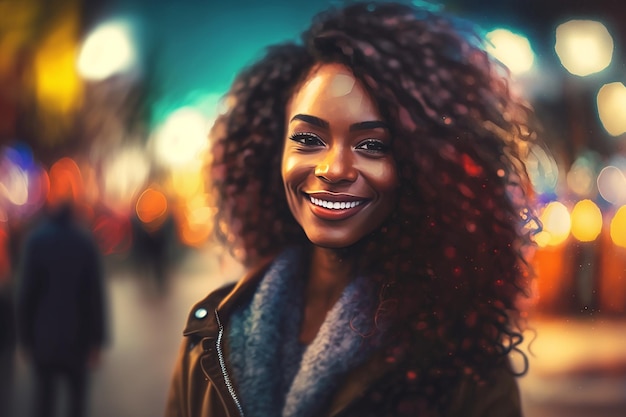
(182, 139)
(584, 47)
(556, 222)
(197, 222)
(542, 169)
(512, 49)
(125, 173)
(107, 51)
(58, 86)
(612, 185)
(24, 183)
(581, 178)
(152, 208)
(618, 227)
(66, 182)
(611, 101)
(586, 220)
(187, 183)
(13, 183)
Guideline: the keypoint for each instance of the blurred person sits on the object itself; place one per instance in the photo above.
(372, 179)
(10, 239)
(152, 252)
(61, 309)
(7, 341)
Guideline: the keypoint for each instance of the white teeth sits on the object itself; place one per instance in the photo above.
(335, 205)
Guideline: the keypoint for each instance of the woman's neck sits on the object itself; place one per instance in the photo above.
(330, 271)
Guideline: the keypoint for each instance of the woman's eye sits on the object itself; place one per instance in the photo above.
(307, 139)
(373, 146)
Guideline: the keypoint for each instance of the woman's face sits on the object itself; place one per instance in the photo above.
(339, 174)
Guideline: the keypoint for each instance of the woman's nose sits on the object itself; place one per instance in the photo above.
(336, 165)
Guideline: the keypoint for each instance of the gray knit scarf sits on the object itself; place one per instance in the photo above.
(275, 375)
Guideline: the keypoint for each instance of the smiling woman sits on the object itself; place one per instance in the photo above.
(339, 173)
(372, 179)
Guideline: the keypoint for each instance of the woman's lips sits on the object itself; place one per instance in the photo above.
(335, 206)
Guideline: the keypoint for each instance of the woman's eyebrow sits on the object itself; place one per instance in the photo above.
(370, 124)
(316, 121)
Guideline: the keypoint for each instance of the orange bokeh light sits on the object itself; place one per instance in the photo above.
(66, 182)
(194, 235)
(152, 207)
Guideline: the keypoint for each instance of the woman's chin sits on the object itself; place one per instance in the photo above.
(329, 243)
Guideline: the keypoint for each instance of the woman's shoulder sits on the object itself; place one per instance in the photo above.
(216, 296)
(224, 298)
(201, 318)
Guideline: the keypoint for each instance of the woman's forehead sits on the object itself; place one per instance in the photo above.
(331, 88)
(338, 78)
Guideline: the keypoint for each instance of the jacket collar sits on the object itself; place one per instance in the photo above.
(202, 321)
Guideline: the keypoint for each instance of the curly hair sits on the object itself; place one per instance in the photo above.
(449, 259)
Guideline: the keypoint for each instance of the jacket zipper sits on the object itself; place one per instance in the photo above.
(220, 357)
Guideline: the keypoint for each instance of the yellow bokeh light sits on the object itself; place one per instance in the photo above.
(556, 225)
(542, 239)
(57, 83)
(584, 47)
(197, 225)
(196, 220)
(186, 183)
(611, 101)
(618, 227)
(586, 221)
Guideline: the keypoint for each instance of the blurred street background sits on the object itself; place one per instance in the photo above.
(577, 364)
(110, 102)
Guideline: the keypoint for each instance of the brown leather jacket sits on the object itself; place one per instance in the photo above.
(201, 386)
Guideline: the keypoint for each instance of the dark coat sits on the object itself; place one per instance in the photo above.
(60, 303)
(200, 388)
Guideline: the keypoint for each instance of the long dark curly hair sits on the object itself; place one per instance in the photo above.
(449, 259)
